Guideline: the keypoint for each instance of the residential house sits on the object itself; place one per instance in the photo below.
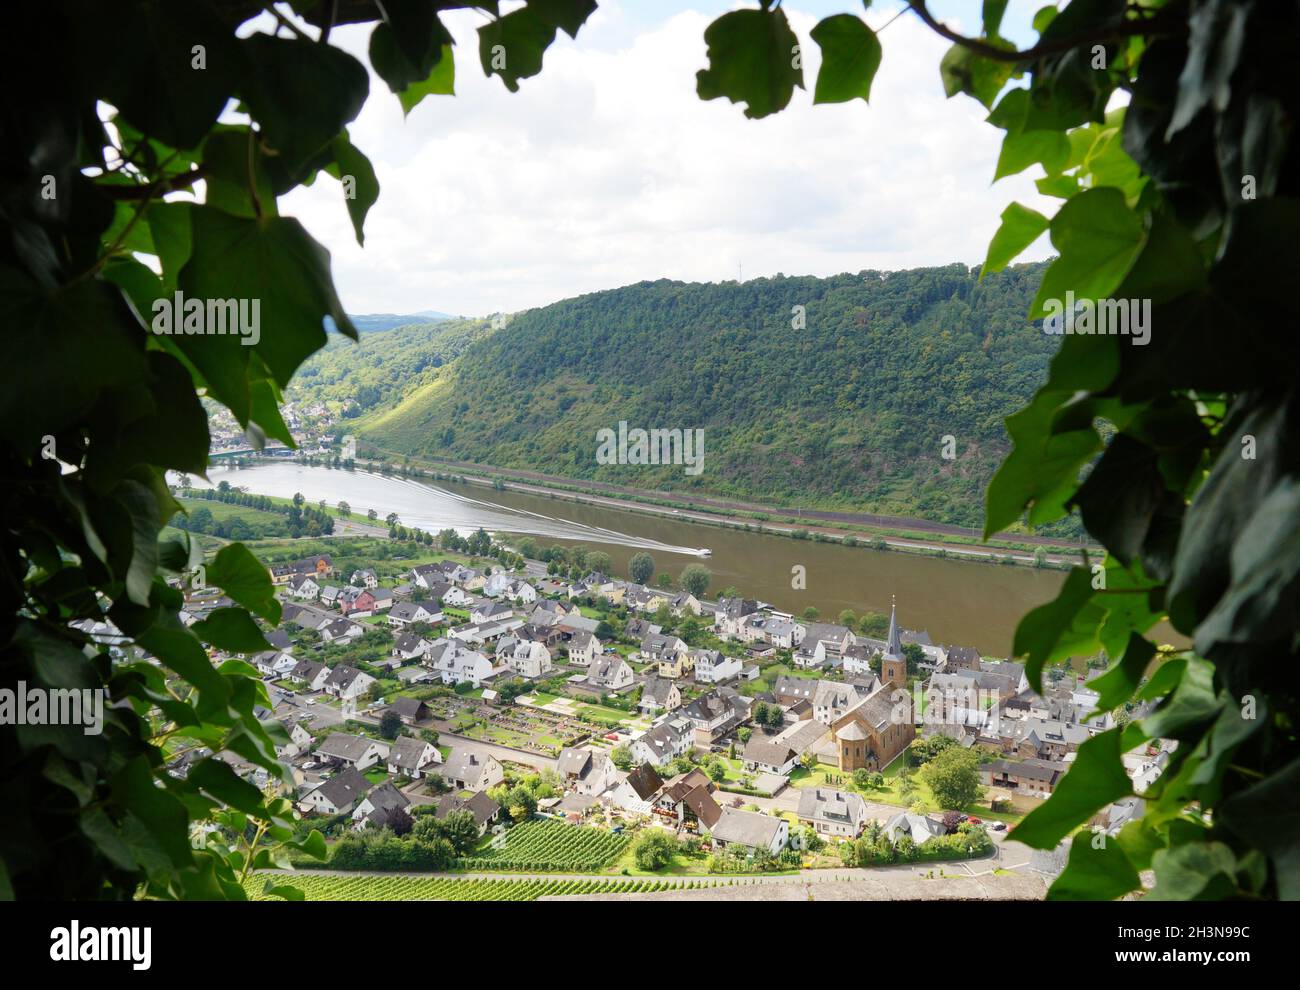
(529, 659)
(583, 647)
(832, 699)
(357, 752)
(300, 740)
(456, 664)
(310, 674)
(715, 714)
(1032, 777)
(920, 828)
(664, 742)
(751, 830)
(410, 646)
(409, 710)
(711, 667)
(636, 791)
(587, 771)
(610, 673)
(364, 577)
(304, 586)
(466, 770)
(838, 814)
(340, 631)
(686, 801)
(484, 810)
(659, 694)
(381, 807)
(412, 757)
(345, 681)
(338, 795)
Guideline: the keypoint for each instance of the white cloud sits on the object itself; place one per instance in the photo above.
(607, 169)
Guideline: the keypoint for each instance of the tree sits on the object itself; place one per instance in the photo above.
(460, 830)
(654, 849)
(664, 581)
(345, 510)
(372, 515)
(622, 757)
(953, 777)
(810, 614)
(848, 618)
(599, 561)
(390, 724)
(695, 579)
(641, 567)
(914, 655)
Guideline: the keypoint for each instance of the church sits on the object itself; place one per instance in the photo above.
(870, 735)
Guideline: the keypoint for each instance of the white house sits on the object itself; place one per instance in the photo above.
(610, 673)
(341, 630)
(305, 587)
(454, 664)
(366, 578)
(412, 757)
(346, 681)
(310, 674)
(358, 752)
(300, 740)
(586, 771)
(583, 647)
(338, 795)
(711, 667)
(529, 659)
(470, 771)
(664, 742)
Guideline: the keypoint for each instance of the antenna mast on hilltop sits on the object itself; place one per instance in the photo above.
(740, 272)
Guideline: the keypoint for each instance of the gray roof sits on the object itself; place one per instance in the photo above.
(344, 788)
(748, 828)
(344, 746)
(827, 805)
(406, 753)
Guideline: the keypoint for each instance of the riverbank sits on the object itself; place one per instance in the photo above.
(939, 540)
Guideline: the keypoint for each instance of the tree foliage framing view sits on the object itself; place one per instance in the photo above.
(1182, 457)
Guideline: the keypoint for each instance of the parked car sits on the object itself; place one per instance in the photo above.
(999, 826)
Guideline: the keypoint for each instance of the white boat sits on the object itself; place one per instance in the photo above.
(705, 552)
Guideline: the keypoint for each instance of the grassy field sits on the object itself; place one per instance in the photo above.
(221, 511)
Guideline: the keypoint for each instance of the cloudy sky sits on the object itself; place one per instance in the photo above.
(607, 169)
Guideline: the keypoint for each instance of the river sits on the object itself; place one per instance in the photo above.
(959, 602)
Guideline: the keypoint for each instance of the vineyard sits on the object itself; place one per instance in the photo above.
(548, 846)
(389, 888)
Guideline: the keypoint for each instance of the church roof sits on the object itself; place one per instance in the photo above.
(893, 645)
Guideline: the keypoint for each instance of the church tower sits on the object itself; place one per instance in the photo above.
(893, 665)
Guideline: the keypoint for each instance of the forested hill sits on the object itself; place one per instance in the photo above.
(847, 411)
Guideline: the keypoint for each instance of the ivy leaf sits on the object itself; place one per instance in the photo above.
(1066, 626)
(1119, 499)
(850, 57)
(1020, 227)
(751, 60)
(440, 82)
(1099, 238)
(1194, 871)
(1263, 599)
(567, 15)
(405, 47)
(157, 82)
(228, 156)
(276, 263)
(1217, 31)
(1266, 816)
(232, 630)
(1094, 872)
(302, 93)
(216, 778)
(153, 807)
(1047, 148)
(513, 46)
(246, 580)
(1192, 705)
(360, 186)
(963, 71)
(1117, 685)
(1096, 779)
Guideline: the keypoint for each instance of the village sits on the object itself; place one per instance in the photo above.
(539, 722)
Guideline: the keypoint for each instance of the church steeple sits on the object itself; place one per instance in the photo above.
(893, 645)
(893, 665)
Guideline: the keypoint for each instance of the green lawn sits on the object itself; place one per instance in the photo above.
(375, 775)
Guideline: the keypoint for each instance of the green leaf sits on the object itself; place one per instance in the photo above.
(513, 46)
(303, 94)
(228, 158)
(1214, 47)
(140, 504)
(1051, 149)
(1064, 627)
(153, 807)
(1099, 238)
(357, 175)
(232, 630)
(275, 262)
(1096, 779)
(1195, 871)
(963, 71)
(440, 82)
(1117, 685)
(567, 15)
(408, 43)
(751, 60)
(1094, 872)
(1266, 816)
(1190, 708)
(1020, 227)
(217, 779)
(850, 57)
(246, 580)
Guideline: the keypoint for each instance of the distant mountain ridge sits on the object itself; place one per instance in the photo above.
(373, 322)
(823, 392)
